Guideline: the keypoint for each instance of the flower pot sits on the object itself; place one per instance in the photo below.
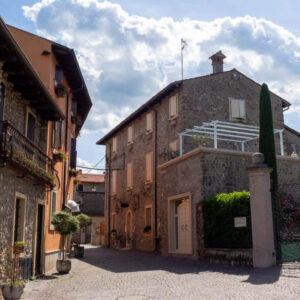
(18, 249)
(63, 266)
(12, 292)
(78, 251)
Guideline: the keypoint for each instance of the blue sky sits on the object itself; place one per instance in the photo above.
(129, 50)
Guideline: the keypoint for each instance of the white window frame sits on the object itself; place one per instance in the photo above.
(51, 212)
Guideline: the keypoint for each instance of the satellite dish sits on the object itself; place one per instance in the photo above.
(73, 206)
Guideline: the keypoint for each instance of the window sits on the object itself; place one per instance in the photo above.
(173, 107)
(56, 134)
(114, 145)
(52, 207)
(174, 146)
(114, 182)
(30, 126)
(80, 187)
(130, 134)
(58, 75)
(73, 154)
(149, 122)
(113, 221)
(129, 175)
(19, 225)
(94, 188)
(148, 213)
(237, 108)
(149, 167)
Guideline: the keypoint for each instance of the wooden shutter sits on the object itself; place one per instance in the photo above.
(115, 145)
(242, 109)
(73, 157)
(148, 216)
(130, 134)
(173, 106)
(149, 122)
(149, 167)
(114, 181)
(237, 108)
(129, 175)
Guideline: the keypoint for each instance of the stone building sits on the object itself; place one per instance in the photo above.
(48, 119)
(26, 169)
(89, 194)
(140, 204)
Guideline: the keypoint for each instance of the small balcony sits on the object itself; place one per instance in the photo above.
(21, 152)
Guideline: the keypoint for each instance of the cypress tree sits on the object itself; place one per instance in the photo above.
(266, 132)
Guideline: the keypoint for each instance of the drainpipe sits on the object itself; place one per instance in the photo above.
(66, 148)
(108, 195)
(155, 178)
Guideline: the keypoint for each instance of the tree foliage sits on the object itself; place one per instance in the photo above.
(65, 223)
(266, 132)
(84, 220)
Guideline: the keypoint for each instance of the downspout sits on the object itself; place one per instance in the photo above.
(66, 148)
(108, 195)
(155, 181)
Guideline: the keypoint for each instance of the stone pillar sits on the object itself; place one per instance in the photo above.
(261, 213)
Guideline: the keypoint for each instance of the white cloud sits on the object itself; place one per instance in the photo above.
(127, 58)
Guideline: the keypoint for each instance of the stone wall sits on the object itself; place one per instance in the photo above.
(11, 181)
(205, 172)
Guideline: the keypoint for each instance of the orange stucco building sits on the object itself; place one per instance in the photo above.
(58, 68)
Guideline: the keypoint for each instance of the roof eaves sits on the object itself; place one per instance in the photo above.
(152, 101)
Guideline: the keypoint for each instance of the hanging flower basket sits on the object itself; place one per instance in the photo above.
(76, 181)
(60, 91)
(59, 156)
(74, 172)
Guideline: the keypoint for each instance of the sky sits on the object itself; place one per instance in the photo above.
(129, 50)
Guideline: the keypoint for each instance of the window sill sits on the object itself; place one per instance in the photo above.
(149, 134)
(130, 145)
(129, 190)
(114, 155)
(173, 120)
(148, 185)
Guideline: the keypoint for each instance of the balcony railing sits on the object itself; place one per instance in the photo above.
(20, 151)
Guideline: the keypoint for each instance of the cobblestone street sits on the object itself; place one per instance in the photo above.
(110, 274)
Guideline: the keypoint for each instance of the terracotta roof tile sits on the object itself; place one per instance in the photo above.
(96, 178)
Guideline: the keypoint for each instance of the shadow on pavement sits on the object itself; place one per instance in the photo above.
(133, 261)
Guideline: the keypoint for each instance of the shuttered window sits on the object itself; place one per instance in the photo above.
(237, 108)
(20, 211)
(114, 182)
(148, 216)
(149, 122)
(149, 167)
(30, 126)
(130, 134)
(173, 106)
(174, 146)
(73, 157)
(129, 175)
(56, 134)
(115, 145)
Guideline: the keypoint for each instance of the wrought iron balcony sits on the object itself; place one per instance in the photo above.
(18, 150)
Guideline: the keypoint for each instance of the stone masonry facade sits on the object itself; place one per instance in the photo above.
(13, 181)
(201, 99)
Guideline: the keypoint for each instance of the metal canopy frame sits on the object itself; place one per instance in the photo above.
(228, 132)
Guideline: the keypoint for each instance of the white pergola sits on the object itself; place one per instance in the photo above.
(228, 132)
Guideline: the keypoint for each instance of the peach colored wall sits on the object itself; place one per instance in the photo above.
(33, 46)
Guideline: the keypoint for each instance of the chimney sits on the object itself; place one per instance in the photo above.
(217, 62)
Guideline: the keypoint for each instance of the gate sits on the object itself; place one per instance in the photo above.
(286, 206)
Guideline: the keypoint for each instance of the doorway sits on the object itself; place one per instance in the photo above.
(180, 224)
(39, 240)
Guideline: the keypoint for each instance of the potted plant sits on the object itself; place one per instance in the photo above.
(74, 172)
(60, 90)
(84, 221)
(76, 181)
(59, 156)
(12, 287)
(65, 224)
(19, 247)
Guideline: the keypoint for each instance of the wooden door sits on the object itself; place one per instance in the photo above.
(184, 227)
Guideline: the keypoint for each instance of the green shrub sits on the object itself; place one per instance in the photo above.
(219, 212)
(84, 220)
(65, 223)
